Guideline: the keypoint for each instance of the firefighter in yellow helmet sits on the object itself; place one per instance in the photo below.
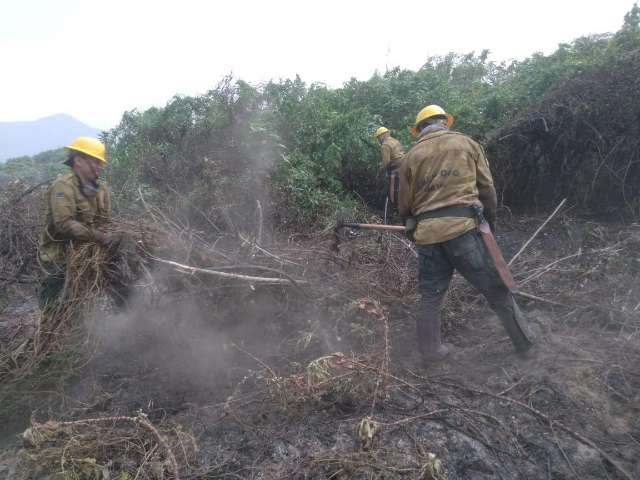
(77, 206)
(441, 177)
(392, 153)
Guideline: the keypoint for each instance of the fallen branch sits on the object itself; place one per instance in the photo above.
(535, 234)
(235, 276)
(541, 271)
(582, 306)
(267, 253)
(540, 299)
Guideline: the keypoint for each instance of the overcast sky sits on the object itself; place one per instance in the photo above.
(96, 59)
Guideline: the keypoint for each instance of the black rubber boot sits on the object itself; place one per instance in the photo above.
(430, 338)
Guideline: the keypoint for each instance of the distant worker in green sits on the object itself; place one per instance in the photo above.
(442, 178)
(392, 153)
(77, 206)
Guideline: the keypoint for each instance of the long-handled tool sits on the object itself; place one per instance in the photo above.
(372, 226)
(344, 223)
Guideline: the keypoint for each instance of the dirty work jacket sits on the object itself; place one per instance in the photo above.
(392, 153)
(442, 169)
(70, 216)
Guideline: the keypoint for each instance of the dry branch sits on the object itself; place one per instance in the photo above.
(535, 234)
(234, 276)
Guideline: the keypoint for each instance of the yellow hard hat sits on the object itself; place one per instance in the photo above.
(380, 131)
(428, 112)
(89, 146)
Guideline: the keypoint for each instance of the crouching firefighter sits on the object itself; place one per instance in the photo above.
(77, 206)
(449, 201)
(392, 153)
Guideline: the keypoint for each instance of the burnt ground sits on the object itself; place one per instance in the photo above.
(239, 370)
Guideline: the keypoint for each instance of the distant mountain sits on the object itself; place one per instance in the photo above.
(28, 138)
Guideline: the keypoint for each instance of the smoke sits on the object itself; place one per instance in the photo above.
(149, 352)
(183, 341)
(188, 346)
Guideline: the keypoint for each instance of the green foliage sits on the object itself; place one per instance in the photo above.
(198, 155)
(628, 38)
(37, 168)
(312, 143)
(216, 149)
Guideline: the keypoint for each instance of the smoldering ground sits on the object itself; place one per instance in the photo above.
(182, 350)
(258, 409)
(177, 346)
(180, 342)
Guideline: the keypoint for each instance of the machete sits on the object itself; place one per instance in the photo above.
(494, 250)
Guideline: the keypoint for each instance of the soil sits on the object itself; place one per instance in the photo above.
(225, 369)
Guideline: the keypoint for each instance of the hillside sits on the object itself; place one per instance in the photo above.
(29, 138)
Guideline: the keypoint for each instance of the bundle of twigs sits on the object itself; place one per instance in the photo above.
(58, 328)
(120, 447)
(139, 249)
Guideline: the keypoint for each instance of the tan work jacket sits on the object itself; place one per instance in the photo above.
(70, 216)
(392, 153)
(443, 169)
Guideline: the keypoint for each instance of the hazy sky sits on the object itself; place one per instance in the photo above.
(96, 59)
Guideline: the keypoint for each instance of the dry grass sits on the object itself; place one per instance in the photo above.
(370, 278)
(107, 448)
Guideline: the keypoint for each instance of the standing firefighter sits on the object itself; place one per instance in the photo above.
(392, 154)
(442, 177)
(77, 206)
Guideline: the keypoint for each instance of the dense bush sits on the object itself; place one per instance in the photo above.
(197, 155)
(581, 141)
(580, 137)
(311, 146)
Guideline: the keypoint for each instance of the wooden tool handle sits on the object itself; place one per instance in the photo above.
(376, 226)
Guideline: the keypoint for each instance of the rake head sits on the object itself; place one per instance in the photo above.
(345, 219)
(345, 226)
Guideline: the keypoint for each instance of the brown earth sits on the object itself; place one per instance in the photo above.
(253, 374)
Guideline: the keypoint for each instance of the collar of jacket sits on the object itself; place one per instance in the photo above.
(434, 127)
(89, 189)
(430, 135)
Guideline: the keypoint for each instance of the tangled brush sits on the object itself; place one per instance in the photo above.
(580, 141)
(92, 271)
(110, 448)
(20, 220)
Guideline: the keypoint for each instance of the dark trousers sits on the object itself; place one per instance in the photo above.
(51, 287)
(393, 186)
(466, 254)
